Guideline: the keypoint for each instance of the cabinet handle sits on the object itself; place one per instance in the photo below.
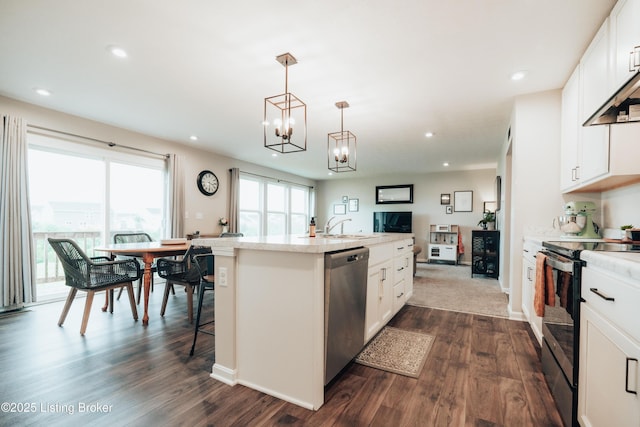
(399, 296)
(573, 174)
(400, 269)
(529, 270)
(601, 295)
(626, 376)
(577, 173)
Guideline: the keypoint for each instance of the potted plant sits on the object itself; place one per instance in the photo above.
(488, 221)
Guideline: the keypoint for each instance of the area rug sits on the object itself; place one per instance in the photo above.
(451, 287)
(398, 351)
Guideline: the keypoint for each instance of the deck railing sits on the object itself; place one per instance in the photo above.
(48, 268)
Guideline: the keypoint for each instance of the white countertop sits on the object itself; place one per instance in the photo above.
(303, 243)
(623, 264)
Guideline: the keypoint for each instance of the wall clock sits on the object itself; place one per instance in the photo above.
(207, 183)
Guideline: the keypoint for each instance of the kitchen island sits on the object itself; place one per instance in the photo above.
(270, 310)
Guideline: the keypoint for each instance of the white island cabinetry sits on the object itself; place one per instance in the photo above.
(609, 378)
(389, 284)
(270, 307)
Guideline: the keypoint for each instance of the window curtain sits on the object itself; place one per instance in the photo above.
(176, 196)
(16, 253)
(234, 195)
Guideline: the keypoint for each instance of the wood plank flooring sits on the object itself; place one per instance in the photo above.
(481, 371)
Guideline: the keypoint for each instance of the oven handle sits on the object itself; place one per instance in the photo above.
(559, 262)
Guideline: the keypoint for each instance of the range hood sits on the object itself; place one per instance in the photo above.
(622, 107)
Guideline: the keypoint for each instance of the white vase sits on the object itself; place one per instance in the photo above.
(225, 229)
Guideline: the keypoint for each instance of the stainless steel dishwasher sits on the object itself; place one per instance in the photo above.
(345, 277)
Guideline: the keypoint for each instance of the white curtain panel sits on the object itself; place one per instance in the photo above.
(234, 197)
(176, 196)
(17, 266)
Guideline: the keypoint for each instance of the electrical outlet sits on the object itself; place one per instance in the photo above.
(222, 276)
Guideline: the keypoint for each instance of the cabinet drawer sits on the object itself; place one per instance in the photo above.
(380, 253)
(403, 246)
(614, 299)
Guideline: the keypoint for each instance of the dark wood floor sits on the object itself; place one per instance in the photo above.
(481, 371)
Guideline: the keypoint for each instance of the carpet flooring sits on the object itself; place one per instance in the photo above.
(398, 351)
(450, 287)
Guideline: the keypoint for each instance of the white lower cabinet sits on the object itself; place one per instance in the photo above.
(609, 379)
(390, 283)
(530, 249)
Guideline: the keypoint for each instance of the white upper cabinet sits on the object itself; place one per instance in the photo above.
(570, 129)
(594, 81)
(593, 157)
(625, 41)
(594, 74)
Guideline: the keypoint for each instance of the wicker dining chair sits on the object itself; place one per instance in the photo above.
(92, 275)
(135, 238)
(181, 272)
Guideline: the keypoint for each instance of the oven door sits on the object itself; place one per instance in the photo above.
(560, 321)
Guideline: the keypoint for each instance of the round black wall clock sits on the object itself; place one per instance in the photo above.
(207, 183)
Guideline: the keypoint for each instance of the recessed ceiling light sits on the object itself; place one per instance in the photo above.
(42, 92)
(193, 138)
(518, 75)
(429, 134)
(117, 51)
(445, 164)
(274, 154)
(330, 173)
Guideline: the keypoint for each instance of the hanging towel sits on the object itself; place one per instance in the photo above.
(543, 292)
(565, 291)
(460, 245)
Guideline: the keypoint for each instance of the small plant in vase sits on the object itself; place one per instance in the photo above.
(488, 221)
(224, 222)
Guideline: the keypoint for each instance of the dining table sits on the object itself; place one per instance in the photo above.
(147, 251)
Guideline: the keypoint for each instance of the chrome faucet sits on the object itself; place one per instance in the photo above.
(327, 228)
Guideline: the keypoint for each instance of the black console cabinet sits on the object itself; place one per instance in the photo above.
(485, 255)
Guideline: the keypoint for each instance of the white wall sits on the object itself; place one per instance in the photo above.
(201, 212)
(621, 206)
(535, 178)
(426, 205)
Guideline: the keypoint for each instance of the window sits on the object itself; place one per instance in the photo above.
(88, 194)
(269, 207)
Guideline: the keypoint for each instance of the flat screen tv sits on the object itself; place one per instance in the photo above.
(392, 222)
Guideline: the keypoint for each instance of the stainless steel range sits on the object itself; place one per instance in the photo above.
(561, 322)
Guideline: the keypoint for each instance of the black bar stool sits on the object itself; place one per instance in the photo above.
(206, 284)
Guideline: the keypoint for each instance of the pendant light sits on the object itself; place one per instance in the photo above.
(341, 146)
(285, 116)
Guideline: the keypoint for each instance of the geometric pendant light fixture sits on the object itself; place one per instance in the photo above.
(341, 146)
(285, 116)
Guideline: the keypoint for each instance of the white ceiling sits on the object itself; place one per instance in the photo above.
(202, 67)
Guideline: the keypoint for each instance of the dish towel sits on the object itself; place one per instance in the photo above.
(543, 293)
(565, 291)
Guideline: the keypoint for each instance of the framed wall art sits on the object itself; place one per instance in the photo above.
(498, 192)
(445, 198)
(463, 201)
(354, 205)
(339, 209)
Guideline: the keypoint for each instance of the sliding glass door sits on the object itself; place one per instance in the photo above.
(88, 194)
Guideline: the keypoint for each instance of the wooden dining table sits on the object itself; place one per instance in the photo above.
(147, 251)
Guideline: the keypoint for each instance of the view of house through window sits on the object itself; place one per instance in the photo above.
(89, 196)
(272, 208)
